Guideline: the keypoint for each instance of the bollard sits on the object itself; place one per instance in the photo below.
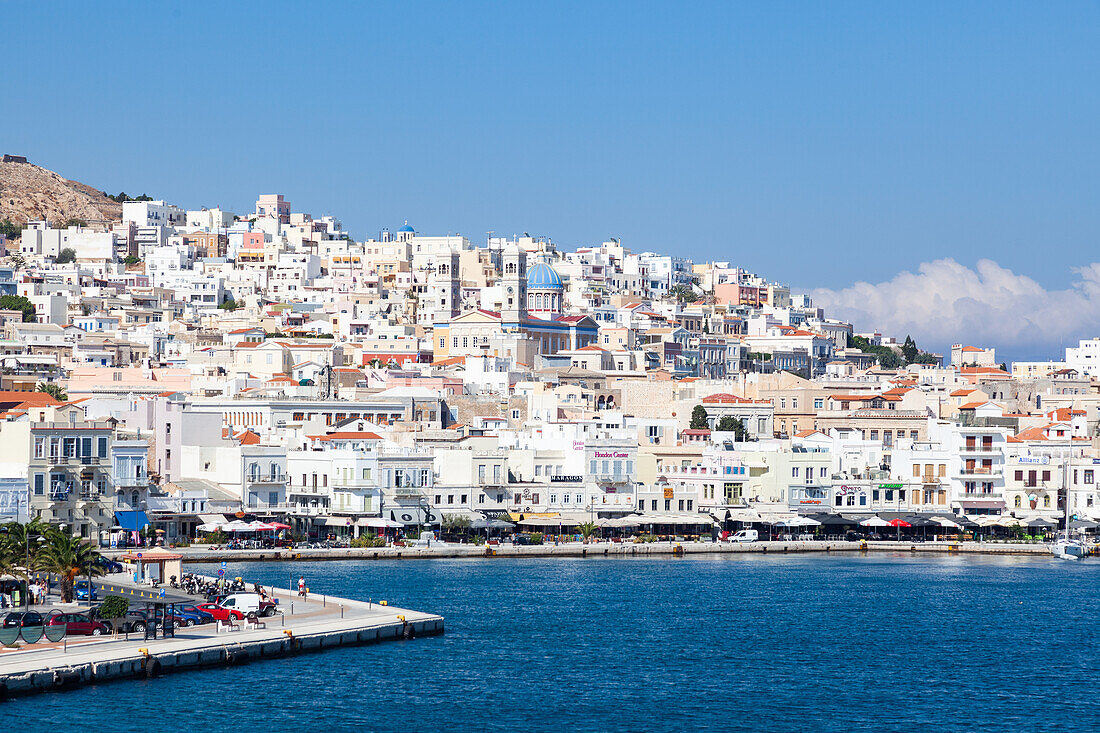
(341, 610)
(324, 602)
(292, 608)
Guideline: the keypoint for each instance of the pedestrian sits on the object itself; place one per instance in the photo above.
(301, 586)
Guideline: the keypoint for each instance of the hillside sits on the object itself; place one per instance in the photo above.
(30, 193)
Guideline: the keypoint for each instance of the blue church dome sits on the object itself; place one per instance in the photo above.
(407, 228)
(541, 275)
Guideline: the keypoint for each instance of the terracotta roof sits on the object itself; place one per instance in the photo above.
(27, 399)
(807, 433)
(247, 438)
(725, 398)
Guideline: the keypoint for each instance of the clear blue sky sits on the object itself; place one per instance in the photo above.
(818, 143)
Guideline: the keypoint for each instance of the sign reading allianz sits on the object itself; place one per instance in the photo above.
(1034, 460)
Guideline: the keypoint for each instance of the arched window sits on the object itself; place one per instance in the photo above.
(1018, 502)
(1046, 502)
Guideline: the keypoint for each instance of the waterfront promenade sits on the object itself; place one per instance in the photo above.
(320, 622)
(606, 549)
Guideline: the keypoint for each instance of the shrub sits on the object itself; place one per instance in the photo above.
(365, 541)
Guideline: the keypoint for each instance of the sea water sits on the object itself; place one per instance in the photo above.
(880, 642)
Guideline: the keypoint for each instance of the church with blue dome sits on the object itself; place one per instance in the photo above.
(544, 290)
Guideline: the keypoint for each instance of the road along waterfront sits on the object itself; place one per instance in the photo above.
(439, 550)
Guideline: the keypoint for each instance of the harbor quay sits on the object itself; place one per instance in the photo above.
(440, 550)
(301, 625)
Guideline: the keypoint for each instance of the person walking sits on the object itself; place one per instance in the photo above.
(301, 586)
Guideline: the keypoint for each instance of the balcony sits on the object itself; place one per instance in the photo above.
(267, 480)
(978, 449)
(979, 471)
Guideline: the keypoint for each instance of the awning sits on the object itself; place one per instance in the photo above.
(334, 521)
(414, 515)
(131, 520)
(982, 504)
(212, 518)
(379, 522)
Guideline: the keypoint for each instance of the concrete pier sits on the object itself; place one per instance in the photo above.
(606, 549)
(316, 624)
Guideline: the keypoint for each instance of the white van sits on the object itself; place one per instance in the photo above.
(246, 603)
(744, 535)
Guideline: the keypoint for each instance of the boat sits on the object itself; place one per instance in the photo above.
(1066, 547)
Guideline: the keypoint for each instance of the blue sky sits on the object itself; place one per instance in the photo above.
(816, 143)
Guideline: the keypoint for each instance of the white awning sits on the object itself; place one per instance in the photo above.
(212, 518)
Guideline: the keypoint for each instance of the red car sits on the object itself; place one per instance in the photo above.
(219, 613)
(78, 624)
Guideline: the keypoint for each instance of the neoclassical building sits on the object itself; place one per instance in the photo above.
(530, 320)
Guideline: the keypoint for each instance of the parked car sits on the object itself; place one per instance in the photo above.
(78, 624)
(133, 621)
(23, 618)
(81, 590)
(189, 615)
(220, 613)
(248, 603)
(108, 565)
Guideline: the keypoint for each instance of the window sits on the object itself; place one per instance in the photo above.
(819, 403)
(1088, 476)
(553, 498)
(102, 447)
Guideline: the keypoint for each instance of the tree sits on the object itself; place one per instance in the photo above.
(10, 229)
(731, 424)
(130, 260)
(18, 303)
(19, 544)
(684, 294)
(67, 556)
(587, 529)
(455, 523)
(229, 305)
(53, 390)
(66, 256)
(114, 608)
(699, 418)
(909, 349)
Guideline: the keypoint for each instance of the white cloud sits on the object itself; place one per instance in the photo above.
(945, 302)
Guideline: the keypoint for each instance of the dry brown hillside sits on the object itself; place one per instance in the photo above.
(31, 193)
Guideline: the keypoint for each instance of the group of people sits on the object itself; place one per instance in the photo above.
(11, 597)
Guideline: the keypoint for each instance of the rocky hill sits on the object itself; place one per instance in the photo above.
(31, 193)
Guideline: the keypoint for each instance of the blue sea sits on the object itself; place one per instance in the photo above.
(725, 643)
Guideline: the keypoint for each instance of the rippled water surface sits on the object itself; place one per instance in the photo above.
(805, 643)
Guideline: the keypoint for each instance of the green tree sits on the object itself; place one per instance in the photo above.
(53, 390)
(10, 229)
(66, 256)
(68, 557)
(699, 418)
(114, 608)
(731, 424)
(130, 260)
(684, 294)
(455, 523)
(19, 543)
(18, 303)
(229, 305)
(587, 529)
(909, 349)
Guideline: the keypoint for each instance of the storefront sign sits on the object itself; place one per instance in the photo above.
(1036, 460)
(566, 479)
(891, 486)
(610, 454)
(668, 492)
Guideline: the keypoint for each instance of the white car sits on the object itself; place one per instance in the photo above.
(744, 535)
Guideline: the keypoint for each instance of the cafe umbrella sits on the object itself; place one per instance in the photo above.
(899, 523)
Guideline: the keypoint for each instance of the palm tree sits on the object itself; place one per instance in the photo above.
(67, 556)
(587, 529)
(21, 541)
(53, 390)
